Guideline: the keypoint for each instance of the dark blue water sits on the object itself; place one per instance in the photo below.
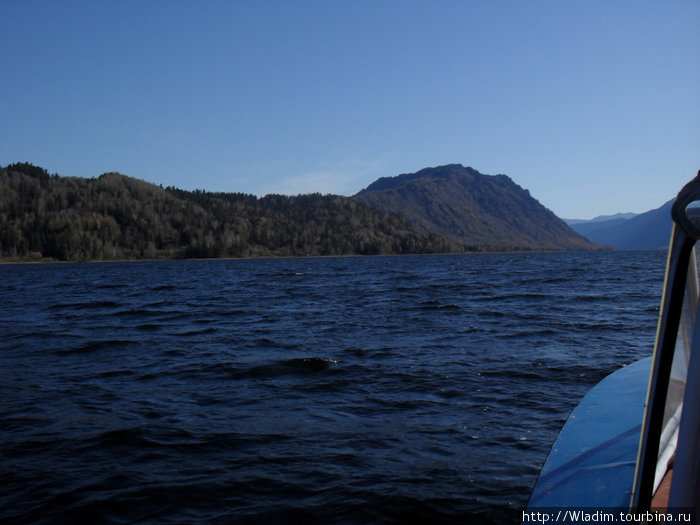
(319, 390)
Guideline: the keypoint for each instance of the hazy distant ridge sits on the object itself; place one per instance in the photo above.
(601, 218)
(647, 231)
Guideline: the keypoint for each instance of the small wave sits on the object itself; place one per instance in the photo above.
(289, 273)
(139, 312)
(115, 373)
(516, 373)
(148, 436)
(266, 342)
(175, 352)
(191, 333)
(297, 365)
(109, 286)
(84, 305)
(592, 298)
(561, 372)
(309, 364)
(557, 279)
(515, 297)
(122, 437)
(357, 351)
(149, 327)
(163, 287)
(492, 313)
(96, 346)
(527, 334)
(435, 304)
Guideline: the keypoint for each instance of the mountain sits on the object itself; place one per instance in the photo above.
(647, 231)
(481, 212)
(48, 217)
(601, 218)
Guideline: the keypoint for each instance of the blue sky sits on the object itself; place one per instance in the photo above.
(593, 106)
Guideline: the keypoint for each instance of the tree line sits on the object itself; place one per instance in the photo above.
(115, 217)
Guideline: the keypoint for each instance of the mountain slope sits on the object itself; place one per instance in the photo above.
(647, 231)
(482, 212)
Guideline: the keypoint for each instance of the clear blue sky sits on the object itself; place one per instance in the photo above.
(594, 106)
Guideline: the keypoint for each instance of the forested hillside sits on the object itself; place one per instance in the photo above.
(113, 217)
(482, 212)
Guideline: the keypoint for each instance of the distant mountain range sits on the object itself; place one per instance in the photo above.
(626, 231)
(601, 218)
(481, 212)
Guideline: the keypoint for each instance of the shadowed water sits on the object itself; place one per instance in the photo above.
(319, 390)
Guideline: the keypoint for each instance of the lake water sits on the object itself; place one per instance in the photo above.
(310, 390)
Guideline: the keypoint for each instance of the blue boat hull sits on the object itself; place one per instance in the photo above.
(592, 462)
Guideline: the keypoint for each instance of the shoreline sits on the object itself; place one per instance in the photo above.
(6, 262)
